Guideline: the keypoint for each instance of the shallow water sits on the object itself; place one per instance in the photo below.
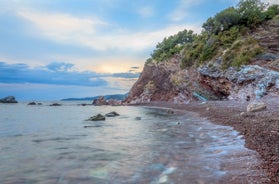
(43, 144)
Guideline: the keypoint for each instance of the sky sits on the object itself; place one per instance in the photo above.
(55, 49)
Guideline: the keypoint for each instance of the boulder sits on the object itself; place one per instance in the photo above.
(256, 106)
(32, 103)
(112, 114)
(55, 104)
(98, 117)
(8, 99)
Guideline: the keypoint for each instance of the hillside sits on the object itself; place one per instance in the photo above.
(234, 58)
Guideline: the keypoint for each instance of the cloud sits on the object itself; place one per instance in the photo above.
(59, 74)
(182, 9)
(146, 12)
(60, 66)
(127, 75)
(134, 67)
(59, 80)
(50, 74)
(61, 26)
(123, 84)
(271, 1)
(89, 32)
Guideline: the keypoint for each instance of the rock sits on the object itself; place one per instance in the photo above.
(138, 118)
(8, 99)
(112, 114)
(92, 126)
(114, 102)
(100, 101)
(55, 104)
(170, 111)
(32, 103)
(256, 106)
(268, 56)
(98, 117)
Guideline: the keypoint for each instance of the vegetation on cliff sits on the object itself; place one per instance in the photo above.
(225, 37)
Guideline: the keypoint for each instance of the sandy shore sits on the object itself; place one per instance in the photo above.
(260, 129)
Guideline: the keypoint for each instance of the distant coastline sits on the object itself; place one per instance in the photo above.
(107, 97)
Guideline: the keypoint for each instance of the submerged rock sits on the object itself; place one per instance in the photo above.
(98, 117)
(8, 99)
(32, 103)
(55, 104)
(256, 106)
(112, 114)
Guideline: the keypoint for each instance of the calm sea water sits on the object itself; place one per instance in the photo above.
(43, 144)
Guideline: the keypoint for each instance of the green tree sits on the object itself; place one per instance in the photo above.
(222, 21)
(209, 25)
(227, 18)
(172, 45)
(272, 11)
(251, 12)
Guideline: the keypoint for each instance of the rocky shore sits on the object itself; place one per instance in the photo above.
(260, 129)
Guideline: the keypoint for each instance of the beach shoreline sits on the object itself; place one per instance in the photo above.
(259, 129)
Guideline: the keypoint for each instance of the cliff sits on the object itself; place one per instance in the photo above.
(169, 81)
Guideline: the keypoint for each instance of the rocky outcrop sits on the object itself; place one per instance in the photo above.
(172, 84)
(161, 82)
(167, 81)
(8, 99)
(102, 101)
(249, 82)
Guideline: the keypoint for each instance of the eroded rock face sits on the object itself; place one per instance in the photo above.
(172, 84)
(248, 83)
(161, 82)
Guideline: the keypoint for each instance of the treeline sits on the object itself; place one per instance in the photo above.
(225, 30)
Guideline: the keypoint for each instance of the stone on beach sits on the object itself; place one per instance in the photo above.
(256, 106)
(8, 99)
(112, 114)
(32, 103)
(98, 117)
(55, 104)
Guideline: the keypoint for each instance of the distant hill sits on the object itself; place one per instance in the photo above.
(107, 97)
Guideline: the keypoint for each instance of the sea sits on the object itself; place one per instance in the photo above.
(55, 144)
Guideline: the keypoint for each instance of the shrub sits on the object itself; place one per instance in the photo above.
(272, 11)
(241, 53)
(251, 12)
